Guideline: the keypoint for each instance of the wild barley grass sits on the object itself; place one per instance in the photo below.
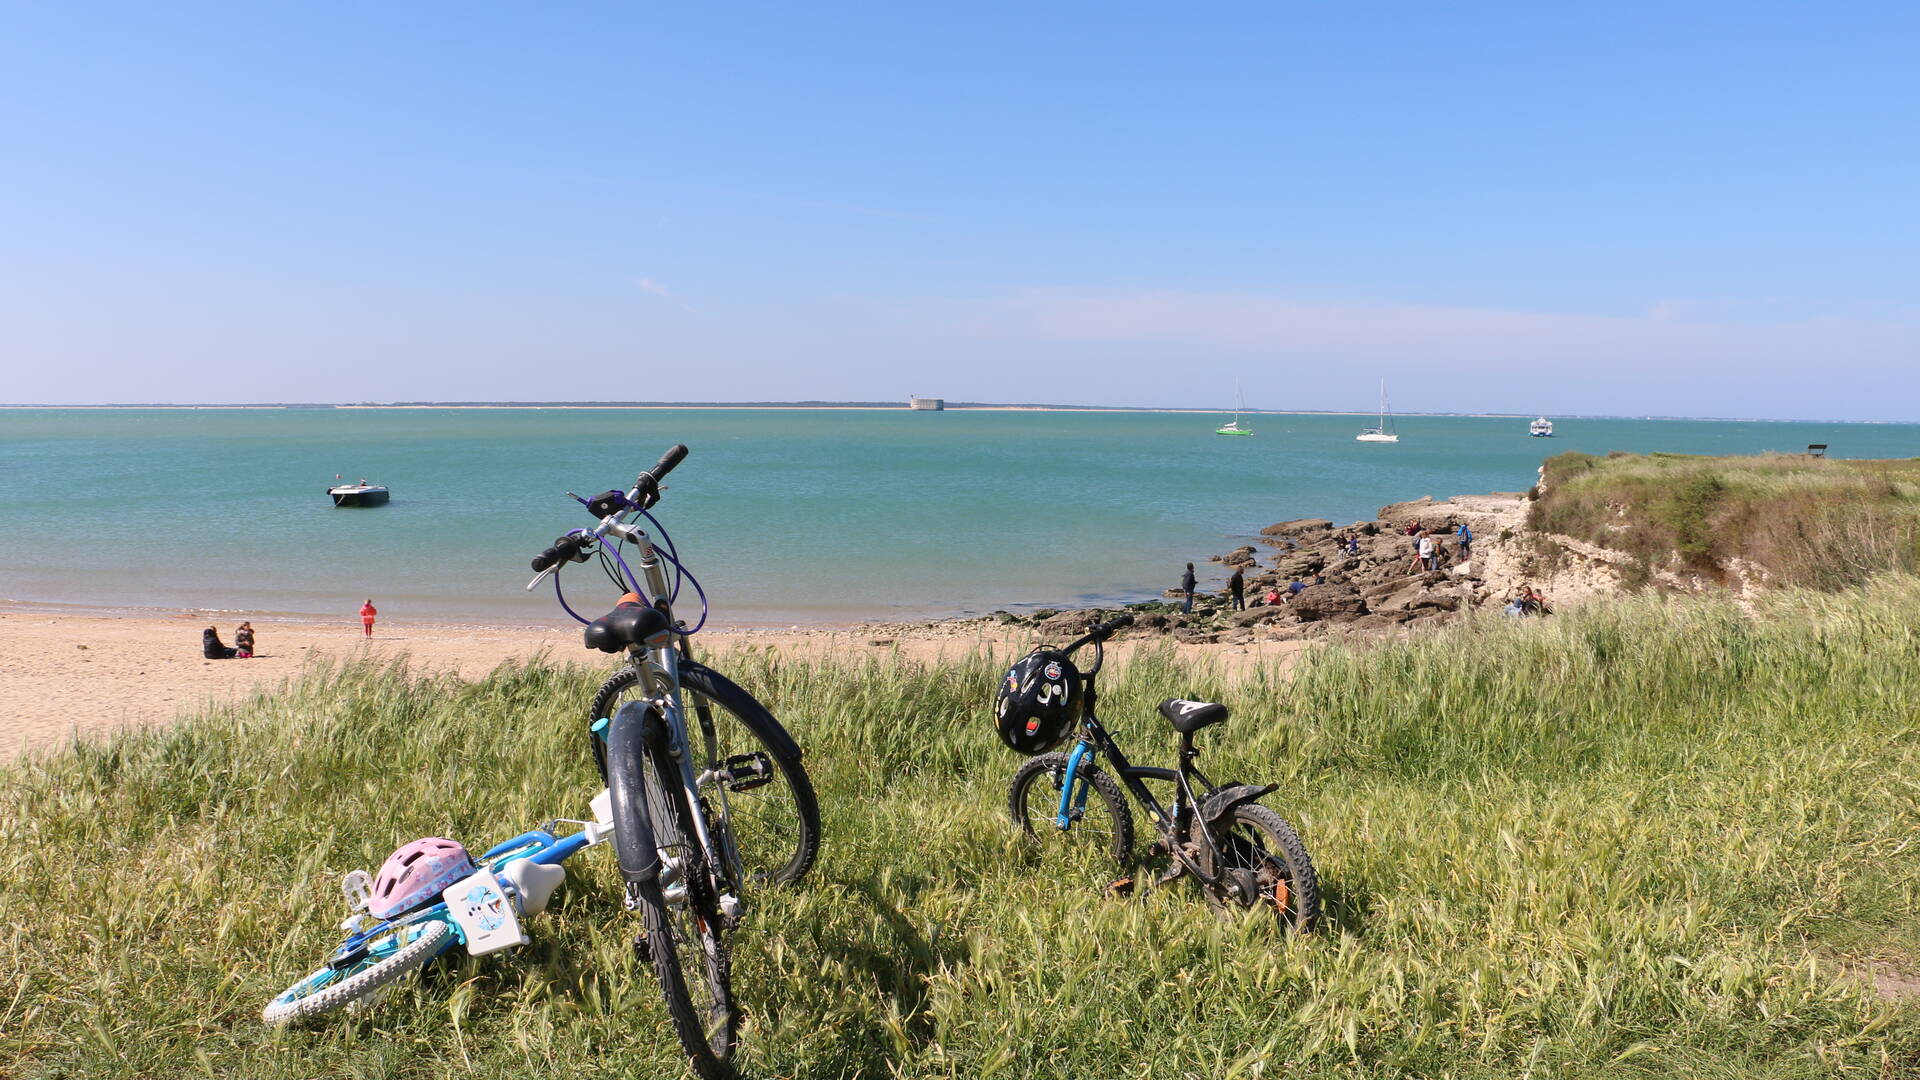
(1655, 838)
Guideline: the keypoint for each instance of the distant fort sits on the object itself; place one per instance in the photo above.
(927, 404)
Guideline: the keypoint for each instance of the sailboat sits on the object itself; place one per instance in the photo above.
(1383, 431)
(1233, 427)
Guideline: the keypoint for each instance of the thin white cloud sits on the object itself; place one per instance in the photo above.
(1482, 338)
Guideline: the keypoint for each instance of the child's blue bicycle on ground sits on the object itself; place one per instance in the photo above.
(481, 912)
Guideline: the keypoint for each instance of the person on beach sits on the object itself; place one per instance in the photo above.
(1465, 539)
(212, 647)
(1427, 551)
(1187, 582)
(1353, 544)
(1273, 597)
(1237, 589)
(243, 641)
(367, 613)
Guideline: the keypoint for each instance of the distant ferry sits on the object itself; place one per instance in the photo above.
(1541, 428)
(360, 494)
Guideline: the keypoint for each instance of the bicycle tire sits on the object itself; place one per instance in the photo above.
(788, 810)
(689, 930)
(326, 989)
(1276, 856)
(1045, 774)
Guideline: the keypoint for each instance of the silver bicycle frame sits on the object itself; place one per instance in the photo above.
(661, 675)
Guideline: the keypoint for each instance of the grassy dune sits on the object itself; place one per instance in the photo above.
(1825, 523)
(1652, 839)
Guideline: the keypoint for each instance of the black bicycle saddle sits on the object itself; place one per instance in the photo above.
(1188, 717)
(629, 624)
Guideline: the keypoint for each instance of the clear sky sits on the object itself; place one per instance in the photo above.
(1703, 209)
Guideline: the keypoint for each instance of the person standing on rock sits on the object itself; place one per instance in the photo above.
(1465, 538)
(1237, 589)
(1429, 553)
(1187, 582)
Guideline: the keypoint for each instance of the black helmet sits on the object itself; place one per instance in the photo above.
(1039, 701)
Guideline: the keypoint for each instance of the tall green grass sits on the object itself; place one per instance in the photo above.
(1825, 523)
(1647, 839)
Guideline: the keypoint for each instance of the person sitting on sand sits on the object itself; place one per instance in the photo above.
(243, 641)
(212, 647)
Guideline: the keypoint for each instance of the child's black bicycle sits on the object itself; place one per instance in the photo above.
(1240, 853)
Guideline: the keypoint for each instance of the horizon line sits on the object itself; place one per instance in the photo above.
(951, 406)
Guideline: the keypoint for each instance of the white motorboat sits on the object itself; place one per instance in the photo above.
(360, 494)
(1383, 431)
(1541, 428)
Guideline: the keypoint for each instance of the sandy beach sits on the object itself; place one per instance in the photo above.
(61, 673)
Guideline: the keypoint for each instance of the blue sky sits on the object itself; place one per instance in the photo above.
(1701, 209)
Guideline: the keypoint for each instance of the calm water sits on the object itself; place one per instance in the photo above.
(786, 516)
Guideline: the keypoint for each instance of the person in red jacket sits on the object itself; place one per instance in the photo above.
(366, 616)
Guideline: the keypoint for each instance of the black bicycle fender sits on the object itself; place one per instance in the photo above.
(626, 748)
(1221, 803)
(774, 735)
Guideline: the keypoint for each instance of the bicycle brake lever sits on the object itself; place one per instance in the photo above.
(542, 576)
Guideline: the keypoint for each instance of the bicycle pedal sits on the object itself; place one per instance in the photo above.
(1173, 873)
(744, 772)
(642, 950)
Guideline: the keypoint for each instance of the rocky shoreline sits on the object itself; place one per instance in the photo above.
(1358, 579)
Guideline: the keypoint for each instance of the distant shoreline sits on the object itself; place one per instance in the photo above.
(877, 407)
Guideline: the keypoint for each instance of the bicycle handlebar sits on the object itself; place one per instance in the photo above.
(1102, 632)
(645, 493)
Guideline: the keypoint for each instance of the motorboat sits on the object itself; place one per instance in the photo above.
(1383, 431)
(360, 494)
(1541, 428)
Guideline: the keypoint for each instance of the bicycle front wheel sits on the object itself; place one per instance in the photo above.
(1099, 825)
(772, 815)
(387, 958)
(683, 936)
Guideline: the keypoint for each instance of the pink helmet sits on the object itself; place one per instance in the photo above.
(416, 874)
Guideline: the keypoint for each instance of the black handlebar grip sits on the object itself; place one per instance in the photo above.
(668, 461)
(567, 547)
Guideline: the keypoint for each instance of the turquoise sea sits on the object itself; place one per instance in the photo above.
(787, 516)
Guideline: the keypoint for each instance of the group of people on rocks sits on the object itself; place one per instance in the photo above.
(1237, 590)
(1430, 553)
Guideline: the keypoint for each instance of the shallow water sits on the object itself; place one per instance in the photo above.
(786, 516)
